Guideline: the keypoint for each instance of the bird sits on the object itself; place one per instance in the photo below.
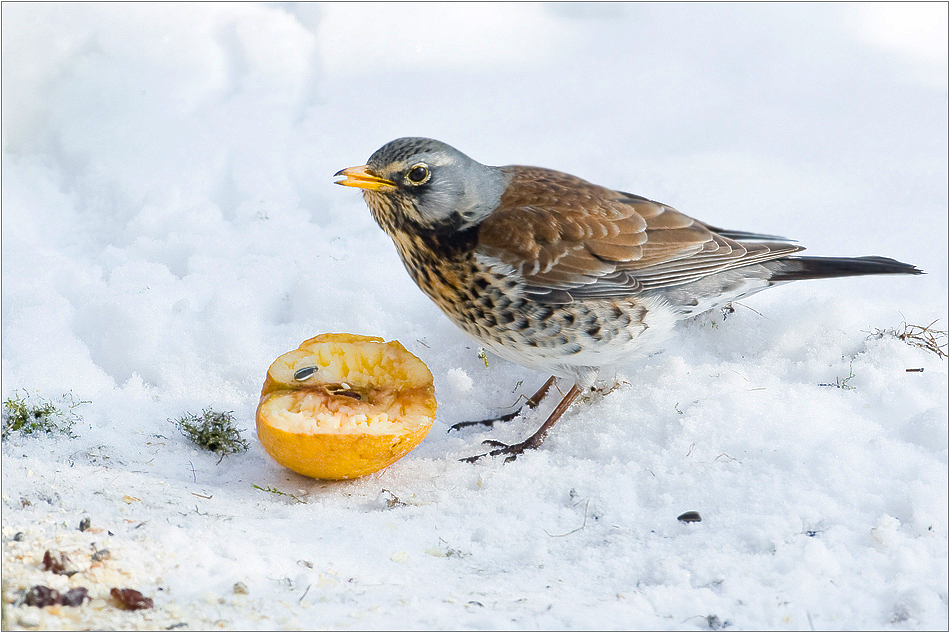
(561, 275)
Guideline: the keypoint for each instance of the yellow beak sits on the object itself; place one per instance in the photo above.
(363, 178)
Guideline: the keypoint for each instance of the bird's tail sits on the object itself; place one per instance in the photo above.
(792, 268)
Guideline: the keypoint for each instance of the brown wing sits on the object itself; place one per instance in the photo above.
(573, 239)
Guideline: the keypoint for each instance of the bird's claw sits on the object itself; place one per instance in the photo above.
(458, 426)
(490, 422)
(500, 448)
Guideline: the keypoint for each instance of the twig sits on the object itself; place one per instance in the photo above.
(578, 529)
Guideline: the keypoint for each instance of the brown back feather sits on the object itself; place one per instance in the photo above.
(566, 234)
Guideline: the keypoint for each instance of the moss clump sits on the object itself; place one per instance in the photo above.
(28, 414)
(213, 431)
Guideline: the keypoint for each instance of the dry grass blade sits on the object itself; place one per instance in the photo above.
(924, 337)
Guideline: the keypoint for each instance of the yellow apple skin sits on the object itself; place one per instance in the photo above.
(336, 456)
(343, 406)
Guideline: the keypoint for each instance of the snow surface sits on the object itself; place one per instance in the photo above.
(170, 226)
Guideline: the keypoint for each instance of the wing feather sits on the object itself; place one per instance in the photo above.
(571, 239)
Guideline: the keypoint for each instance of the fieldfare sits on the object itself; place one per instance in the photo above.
(560, 275)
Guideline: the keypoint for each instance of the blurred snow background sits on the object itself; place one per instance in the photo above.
(170, 226)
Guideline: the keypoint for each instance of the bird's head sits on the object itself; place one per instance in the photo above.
(427, 184)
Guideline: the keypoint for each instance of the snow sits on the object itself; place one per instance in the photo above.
(171, 226)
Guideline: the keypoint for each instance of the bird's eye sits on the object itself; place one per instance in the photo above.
(418, 174)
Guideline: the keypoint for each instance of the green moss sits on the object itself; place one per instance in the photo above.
(29, 414)
(213, 431)
(275, 491)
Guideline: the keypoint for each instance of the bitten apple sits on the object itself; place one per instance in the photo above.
(343, 406)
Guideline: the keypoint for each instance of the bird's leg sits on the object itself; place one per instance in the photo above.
(513, 450)
(531, 403)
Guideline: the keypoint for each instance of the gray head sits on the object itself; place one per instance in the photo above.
(432, 184)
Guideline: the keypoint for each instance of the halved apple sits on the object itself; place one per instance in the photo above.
(343, 406)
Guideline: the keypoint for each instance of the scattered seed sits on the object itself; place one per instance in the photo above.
(131, 599)
(101, 555)
(85, 524)
(240, 588)
(41, 596)
(690, 517)
(57, 563)
(305, 372)
(75, 597)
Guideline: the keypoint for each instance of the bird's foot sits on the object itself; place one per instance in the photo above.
(531, 403)
(511, 451)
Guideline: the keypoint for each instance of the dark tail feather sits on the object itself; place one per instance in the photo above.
(792, 268)
(745, 235)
